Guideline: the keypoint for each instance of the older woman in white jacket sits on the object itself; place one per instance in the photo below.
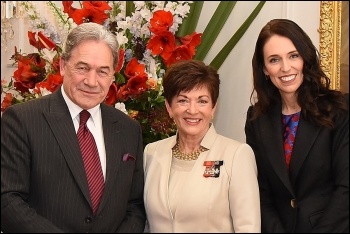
(198, 180)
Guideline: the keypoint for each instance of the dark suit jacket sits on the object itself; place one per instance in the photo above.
(314, 196)
(43, 182)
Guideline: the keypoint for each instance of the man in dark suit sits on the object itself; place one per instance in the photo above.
(44, 186)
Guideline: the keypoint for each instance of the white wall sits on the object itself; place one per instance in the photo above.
(235, 73)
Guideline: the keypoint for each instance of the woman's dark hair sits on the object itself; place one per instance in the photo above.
(317, 101)
(186, 75)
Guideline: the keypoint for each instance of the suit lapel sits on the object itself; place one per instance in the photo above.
(61, 124)
(273, 143)
(111, 128)
(304, 139)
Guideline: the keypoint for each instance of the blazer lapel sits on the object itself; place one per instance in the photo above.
(165, 161)
(61, 124)
(304, 139)
(273, 143)
(164, 158)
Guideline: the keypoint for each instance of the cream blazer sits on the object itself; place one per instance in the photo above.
(228, 203)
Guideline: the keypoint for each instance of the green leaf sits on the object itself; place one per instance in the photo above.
(189, 24)
(129, 8)
(225, 51)
(214, 27)
(119, 78)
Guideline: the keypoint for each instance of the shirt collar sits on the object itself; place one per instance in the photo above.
(75, 110)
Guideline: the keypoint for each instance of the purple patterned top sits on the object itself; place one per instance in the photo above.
(290, 125)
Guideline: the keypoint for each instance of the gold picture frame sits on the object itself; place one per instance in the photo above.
(334, 43)
(330, 28)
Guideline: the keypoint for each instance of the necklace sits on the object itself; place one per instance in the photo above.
(177, 153)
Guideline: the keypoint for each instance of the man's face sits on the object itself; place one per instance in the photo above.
(88, 73)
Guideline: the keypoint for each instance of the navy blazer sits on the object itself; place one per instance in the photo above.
(43, 181)
(314, 195)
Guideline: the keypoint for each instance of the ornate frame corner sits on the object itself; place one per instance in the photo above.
(330, 35)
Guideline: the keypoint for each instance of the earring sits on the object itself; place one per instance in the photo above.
(267, 77)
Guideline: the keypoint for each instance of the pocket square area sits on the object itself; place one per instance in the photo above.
(128, 157)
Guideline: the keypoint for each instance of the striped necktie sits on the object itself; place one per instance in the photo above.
(91, 161)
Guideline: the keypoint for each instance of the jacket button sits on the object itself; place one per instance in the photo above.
(293, 203)
(88, 220)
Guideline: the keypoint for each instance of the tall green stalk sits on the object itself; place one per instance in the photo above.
(189, 25)
(129, 8)
(225, 51)
(214, 27)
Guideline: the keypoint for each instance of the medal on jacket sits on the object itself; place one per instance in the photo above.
(212, 168)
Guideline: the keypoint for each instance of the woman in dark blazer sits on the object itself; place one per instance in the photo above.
(299, 131)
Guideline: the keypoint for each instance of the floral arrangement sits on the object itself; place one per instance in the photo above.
(147, 34)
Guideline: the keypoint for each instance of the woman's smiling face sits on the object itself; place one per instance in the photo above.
(192, 111)
(283, 64)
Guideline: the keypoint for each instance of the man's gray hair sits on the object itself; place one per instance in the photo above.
(90, 31)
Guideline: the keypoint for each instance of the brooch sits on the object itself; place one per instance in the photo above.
(212, 168)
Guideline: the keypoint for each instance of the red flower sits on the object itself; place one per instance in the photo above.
(111, 97)
(192, 41)
(134, 68)
(33, 59)
(120, 60)
(180, 53)
(52, 82)
(122, 94)
(31, 69)
(92, 11)
(7, 101)
(137, 84)
(161, 21)
(42, 42)
(162, 44)
(67, 7)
